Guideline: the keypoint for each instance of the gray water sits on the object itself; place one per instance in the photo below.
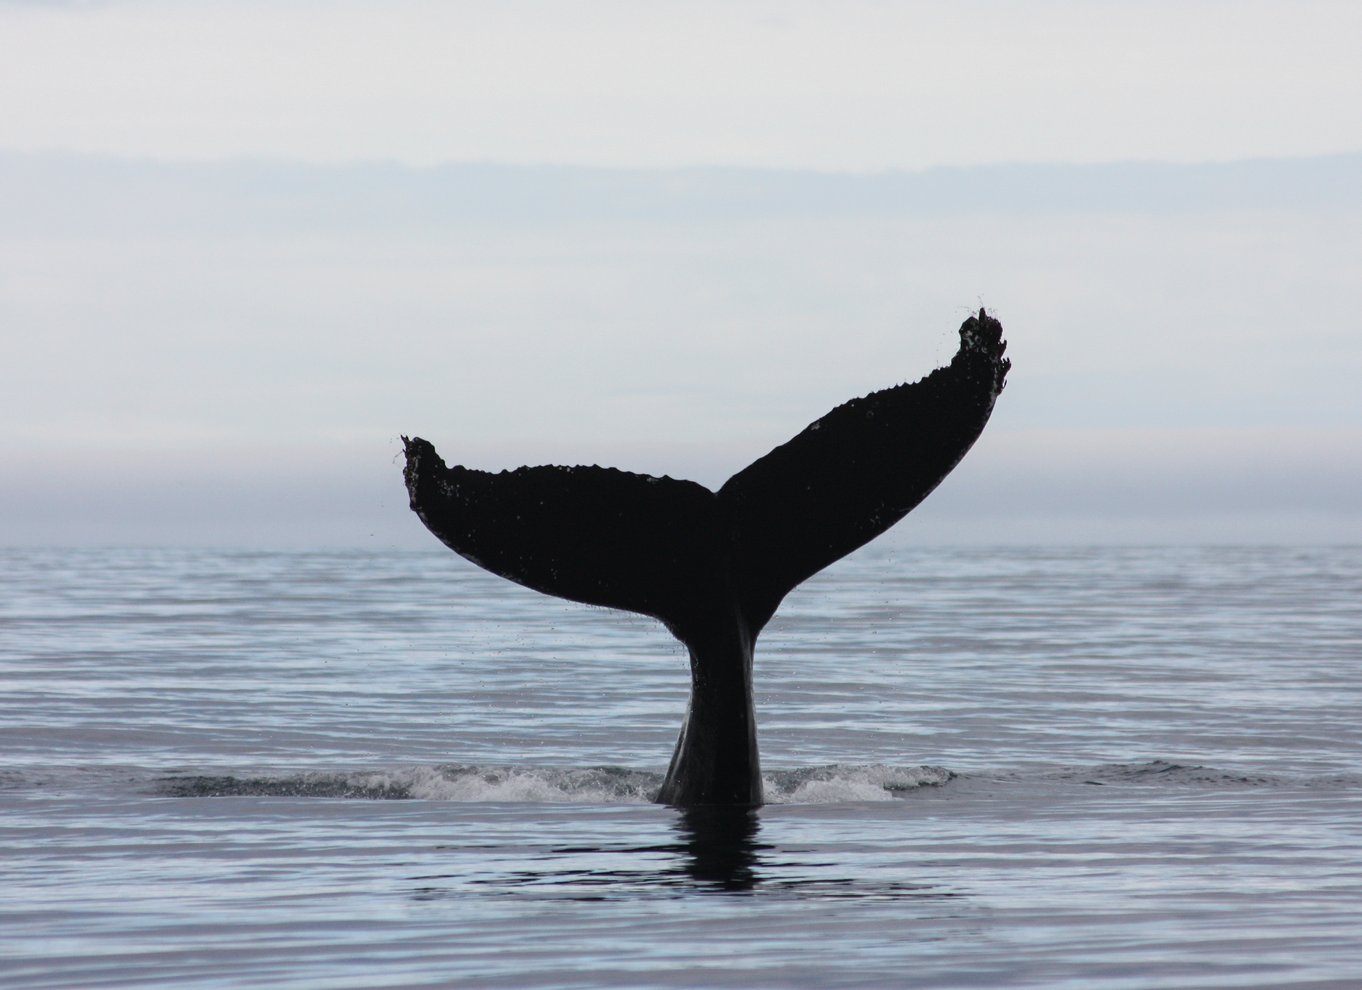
(1019, 767)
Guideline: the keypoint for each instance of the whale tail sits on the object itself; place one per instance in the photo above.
(714, 566)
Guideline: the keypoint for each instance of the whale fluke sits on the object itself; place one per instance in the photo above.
(714, 566)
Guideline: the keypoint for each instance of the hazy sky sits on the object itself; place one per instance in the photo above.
(217, 319)
(848, 85)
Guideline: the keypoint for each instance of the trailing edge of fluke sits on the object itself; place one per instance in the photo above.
(714, 566)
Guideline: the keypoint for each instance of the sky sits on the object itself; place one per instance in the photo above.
(244, 246)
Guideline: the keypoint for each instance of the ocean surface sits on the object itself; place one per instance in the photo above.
(987, 768)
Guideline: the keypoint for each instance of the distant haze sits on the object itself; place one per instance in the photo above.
(212, 352)
(244, 246)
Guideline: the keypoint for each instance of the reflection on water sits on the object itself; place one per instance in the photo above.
(716, 849)
(720, 846)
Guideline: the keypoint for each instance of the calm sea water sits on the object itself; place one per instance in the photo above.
(1019, 767)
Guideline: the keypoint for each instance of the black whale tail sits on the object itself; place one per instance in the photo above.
(714, 566)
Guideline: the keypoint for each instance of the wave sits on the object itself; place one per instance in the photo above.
(591, 785)
(1163, 772)
(832, 784)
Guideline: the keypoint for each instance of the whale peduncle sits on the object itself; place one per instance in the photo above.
(716, 761)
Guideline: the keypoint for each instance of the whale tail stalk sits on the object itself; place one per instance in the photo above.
(714, 566)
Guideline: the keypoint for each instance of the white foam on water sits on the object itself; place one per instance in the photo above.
(850, 783)
(591, 785)
(832, 784)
